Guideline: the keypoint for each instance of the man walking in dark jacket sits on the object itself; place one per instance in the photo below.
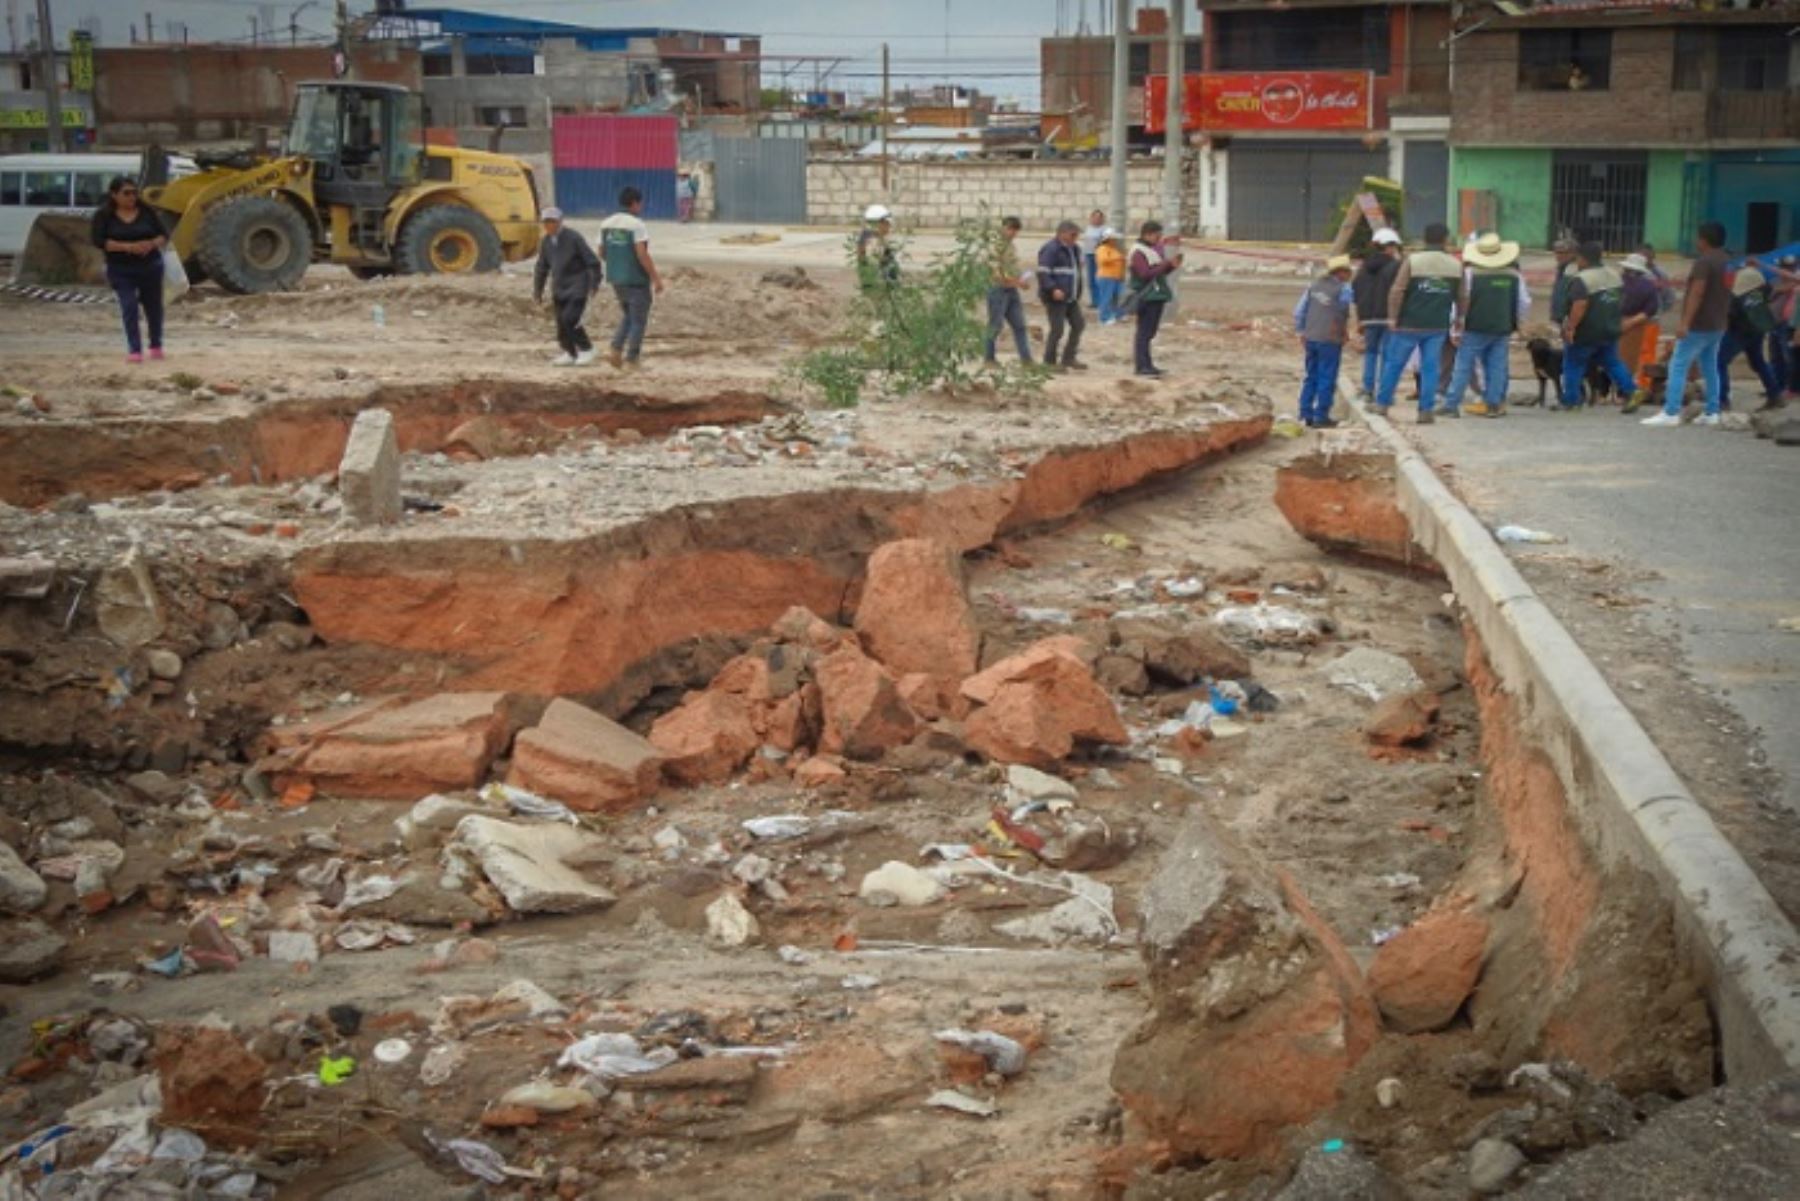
(573, 270)
(1059, 287)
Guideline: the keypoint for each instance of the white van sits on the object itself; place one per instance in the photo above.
(46, 183)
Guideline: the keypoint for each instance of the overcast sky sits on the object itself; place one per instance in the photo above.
(993, 43)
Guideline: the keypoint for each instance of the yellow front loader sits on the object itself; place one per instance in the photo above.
(354, 184)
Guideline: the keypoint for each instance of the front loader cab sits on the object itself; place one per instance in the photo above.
(365, 141)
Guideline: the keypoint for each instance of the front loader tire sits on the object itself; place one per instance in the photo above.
(255, 244)
(447, 239)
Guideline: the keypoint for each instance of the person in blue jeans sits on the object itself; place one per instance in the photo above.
(1493, 304)
(1704, 315)
(1591, 331)
(1374, 279)
(1422, 307)
(1322, 320)
(1005, 306)
(1747, 329)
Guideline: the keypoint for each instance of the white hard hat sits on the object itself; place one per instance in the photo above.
(877, 212)
(1386, 237)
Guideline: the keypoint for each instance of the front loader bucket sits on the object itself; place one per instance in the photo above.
(60, 251)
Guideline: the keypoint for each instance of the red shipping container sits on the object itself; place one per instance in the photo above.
(613, 142)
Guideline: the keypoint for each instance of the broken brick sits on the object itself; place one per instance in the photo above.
(585, 760)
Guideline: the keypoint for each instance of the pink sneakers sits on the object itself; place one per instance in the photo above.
(156, 355)
(134, 357)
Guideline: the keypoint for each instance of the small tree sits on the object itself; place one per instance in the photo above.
(926, 329)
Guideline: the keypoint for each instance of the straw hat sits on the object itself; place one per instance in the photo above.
(1490, 251)
(1338, 262)
(1635, 262)
(1748, 280)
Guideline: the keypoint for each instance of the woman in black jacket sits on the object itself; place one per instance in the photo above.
(133, 238)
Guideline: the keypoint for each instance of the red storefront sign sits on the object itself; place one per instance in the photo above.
(1264, 101)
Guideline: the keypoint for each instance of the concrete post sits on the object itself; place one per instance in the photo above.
(1174, 136)
(369, 475)
(1119, 212)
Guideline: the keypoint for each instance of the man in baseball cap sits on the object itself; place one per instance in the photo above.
(569, 265)
(1370, 287)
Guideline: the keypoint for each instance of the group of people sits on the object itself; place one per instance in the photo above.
(1082, 268)
(574, 273)
(1405, 309)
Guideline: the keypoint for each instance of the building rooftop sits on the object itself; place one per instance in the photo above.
(467, 23)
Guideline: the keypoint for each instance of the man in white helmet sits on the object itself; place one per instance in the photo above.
(1373, 280)
(877, 263)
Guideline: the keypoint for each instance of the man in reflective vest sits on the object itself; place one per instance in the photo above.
(1493, 304)
(1421, 305)
(1591, 330)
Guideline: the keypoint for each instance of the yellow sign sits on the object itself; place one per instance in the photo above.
(81, 62)
(33, 118)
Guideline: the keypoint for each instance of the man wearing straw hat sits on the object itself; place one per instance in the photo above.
(1493, 304)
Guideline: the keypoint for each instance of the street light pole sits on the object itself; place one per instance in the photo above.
(1174, 136)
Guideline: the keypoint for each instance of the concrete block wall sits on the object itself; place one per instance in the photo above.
(937, 195)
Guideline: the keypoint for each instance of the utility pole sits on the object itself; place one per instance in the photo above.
(1118, 213)
(885, 193)
(1174, 136)
(149, 29)
(53, 126)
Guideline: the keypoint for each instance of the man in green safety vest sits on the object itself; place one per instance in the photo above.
(1494, 303)
(1591, 330)
(1421, 305)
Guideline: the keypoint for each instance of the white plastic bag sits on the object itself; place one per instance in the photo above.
(175, 279)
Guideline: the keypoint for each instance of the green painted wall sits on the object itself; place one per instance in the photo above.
(1664, 201)
(1521, 181)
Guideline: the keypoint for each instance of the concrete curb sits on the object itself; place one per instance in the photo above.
(1628, 801)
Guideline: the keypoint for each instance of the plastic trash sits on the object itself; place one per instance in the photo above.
(610, 1056)
(478, 1160)
(1286, 427)
(860, 983)
(1117, 541)
(1519, 533)
(345, 1019)
(334, 1070)
(1046, 617)
(528, 804)
(785, 825)
(379, 315)
(949, 1098)
(169, 965)
(392, 1050)
(1004, 1055)
(182, 1145)
(1186, 588)
(1268, 623)
(370, 889)
(1223, 705)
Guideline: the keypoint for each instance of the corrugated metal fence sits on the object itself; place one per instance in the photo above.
(598, 155)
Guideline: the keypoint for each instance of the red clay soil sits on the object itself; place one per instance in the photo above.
(573, 616)
(1346, 503)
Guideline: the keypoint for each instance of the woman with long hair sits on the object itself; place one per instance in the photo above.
(133, 237)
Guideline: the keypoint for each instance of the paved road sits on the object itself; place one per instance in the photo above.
(1716, 515)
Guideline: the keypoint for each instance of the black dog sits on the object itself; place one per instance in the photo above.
(1547, 364)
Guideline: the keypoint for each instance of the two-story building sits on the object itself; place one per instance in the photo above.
(1297, 101)
(1628, 122)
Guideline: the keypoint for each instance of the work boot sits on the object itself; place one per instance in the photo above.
(1767, 406)
(616, 357)
(1427, 419)
(1074, 365)
(1325, 423)
(1477, 408)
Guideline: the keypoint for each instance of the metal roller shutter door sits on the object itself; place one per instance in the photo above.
(1289, 191)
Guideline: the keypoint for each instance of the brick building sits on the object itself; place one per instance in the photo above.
(179, 95)
(1296, 101)
(1077, 80)
(1626, 125)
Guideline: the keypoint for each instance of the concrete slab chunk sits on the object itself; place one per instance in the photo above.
(536, 868)
(584, 760)
(437, 744)
(369, 474)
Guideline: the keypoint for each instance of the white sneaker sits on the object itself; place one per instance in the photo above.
(1707, 419)
(584, 358)
(1662, 419)
(563, 360)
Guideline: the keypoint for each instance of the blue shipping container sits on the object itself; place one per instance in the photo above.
(594, 191)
